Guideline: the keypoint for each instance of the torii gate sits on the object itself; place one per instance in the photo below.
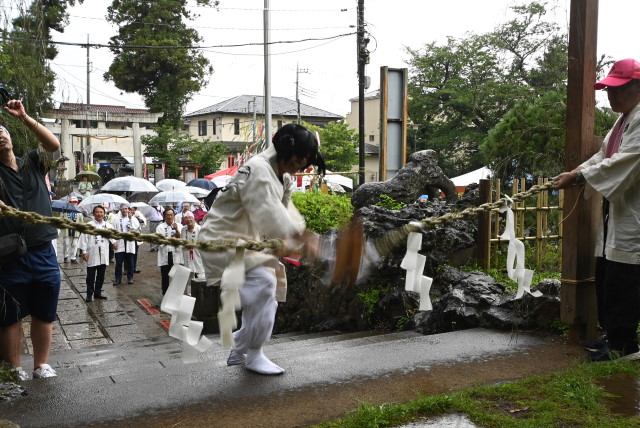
(578, 299)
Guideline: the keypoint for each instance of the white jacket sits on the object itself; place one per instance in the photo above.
(95, 245)
(191, 257)
(254, 207)
(618, 180)
(163, 250)
(125, 224)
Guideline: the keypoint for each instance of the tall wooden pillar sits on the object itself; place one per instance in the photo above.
(578, 293)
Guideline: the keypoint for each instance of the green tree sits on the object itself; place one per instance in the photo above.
(338, 144)
(530, 138)
(459, 91)
(171, 145)
(25, 52)
(163, 68)
(209, 155)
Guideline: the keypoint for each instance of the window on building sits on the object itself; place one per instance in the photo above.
(372, 138)
(236, 126)
(279, 124)
(202, 127)
(214, 131)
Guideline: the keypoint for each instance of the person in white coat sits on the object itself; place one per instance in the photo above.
(125, 222)
(256, 205)
(95, 251)
(614, 172)
(70, 236)
(142, 220)
(168, 254)
(191, 257)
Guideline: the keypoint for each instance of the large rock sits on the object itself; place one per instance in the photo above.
(420, 176)
(474, 299)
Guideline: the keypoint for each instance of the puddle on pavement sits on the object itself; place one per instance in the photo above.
(623, 392)
(454, 420)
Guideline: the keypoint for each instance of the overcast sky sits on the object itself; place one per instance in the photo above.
(329, 66)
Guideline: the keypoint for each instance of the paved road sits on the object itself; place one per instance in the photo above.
(117, 367)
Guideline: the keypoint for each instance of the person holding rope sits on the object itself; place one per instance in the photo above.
(256, 205)
(31, 284)
(614, 172)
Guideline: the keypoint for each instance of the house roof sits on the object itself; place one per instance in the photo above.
(369, 149)
(371, 95)
(101, 108)
(280, 106)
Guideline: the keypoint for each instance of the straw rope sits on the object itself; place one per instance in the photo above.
(384, 244)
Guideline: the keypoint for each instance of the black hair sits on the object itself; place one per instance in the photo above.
(93, 211)
(293, 139)
(164, 213)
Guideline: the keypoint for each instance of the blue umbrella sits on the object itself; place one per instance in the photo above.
(65, 207)
(203, 183)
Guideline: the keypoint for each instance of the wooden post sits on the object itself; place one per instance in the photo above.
(578, 307)
(484, 227)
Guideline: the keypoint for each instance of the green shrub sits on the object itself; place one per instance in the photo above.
(323, 212)
(389, 203)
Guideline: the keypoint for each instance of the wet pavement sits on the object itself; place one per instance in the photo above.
(117, 367)
(119, 319)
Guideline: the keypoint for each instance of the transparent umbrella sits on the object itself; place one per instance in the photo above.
(103, 198)
(173, 198)
(129, 184)
(198, 192)
(149, 212)
(170, 184)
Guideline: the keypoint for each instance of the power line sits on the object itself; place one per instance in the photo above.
(101, 45)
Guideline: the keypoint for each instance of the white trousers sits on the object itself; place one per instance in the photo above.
(69, 247)
(259, 306)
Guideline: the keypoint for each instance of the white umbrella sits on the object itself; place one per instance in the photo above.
(198, 192)
(221, 180)
(173, 198)
(129, 184)
(170, 184)
(149, 212)
(102, 198)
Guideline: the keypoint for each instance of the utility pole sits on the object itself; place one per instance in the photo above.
(298, 71)
(267, 75)
(88, 75)
(362, 60)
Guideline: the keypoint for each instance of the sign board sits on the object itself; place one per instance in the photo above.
(393, 121)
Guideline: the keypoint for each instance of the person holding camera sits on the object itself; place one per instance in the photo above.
(29, 285)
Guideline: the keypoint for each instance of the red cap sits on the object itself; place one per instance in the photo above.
(73, 199)
(622, 72)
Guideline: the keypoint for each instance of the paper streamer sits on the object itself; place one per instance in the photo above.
(515, 253)
(230, 283)
(413, 263)
(181, 307)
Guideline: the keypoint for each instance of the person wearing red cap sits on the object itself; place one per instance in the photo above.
(614, 172)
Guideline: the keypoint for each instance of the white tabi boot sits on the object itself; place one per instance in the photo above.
(257, 362)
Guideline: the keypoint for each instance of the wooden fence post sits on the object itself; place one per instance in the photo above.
(483, 249)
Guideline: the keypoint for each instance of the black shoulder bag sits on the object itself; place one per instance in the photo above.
(12, 246)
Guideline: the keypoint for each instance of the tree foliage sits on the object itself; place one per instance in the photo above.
(25, 52)
(163, 68)
(530, 138)
(460, 90)
(170, 145)
(338, 144)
